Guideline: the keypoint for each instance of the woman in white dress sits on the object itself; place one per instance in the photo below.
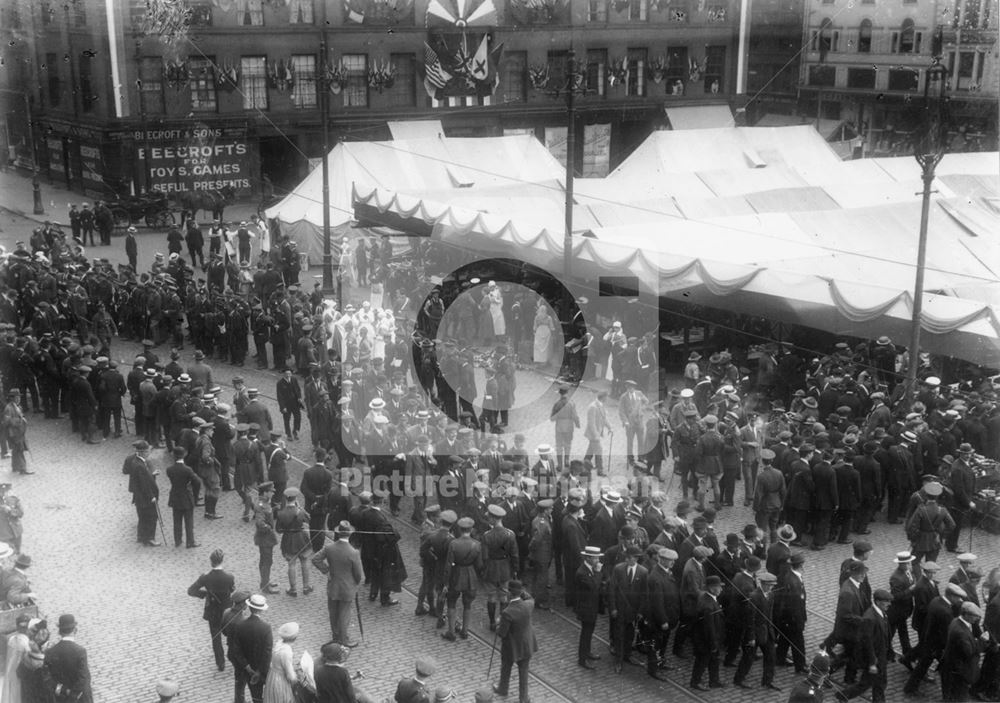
(282, 676)
(18, 646)
(495, 297)
(543, 334)
(347, 274)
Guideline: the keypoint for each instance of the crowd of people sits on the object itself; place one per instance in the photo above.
(821, 444)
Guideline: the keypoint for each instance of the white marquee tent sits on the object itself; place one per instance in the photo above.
(437, 164)
(844, 263)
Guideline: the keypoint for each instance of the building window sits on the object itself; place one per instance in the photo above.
(304, 89)
(87, 97)
(201, 15)
(903, 79)
(865, 37)
(678, 70)
(403, 92)
(822, 39)
(356, 91)
(55, 84)
(300, 12)
(80, 13)
(253, 70)
(972, 14)
(638, 10)
(597, 11)
(715, 68)
(717, 14)
(678, 11)
(823, 76)
(252, 14)
(557, 62)
(203, 96)
(48, 13)
(907, 39)
(515, 77)
(971, 66)
(636, 66)
(151, 85)
(861, 78)
(597, 64)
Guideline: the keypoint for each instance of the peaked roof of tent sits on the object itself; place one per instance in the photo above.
(408, 164)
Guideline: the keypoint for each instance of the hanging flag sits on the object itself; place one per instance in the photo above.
(436, 78)
(480, 62)
(352, 14)
(460, 15)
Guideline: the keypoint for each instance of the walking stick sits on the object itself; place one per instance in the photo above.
(493, 651)
(159, 517)
(357, 609)
(611, 441)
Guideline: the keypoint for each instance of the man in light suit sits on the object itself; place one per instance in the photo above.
(751, 440)
(67, 663)
(566, 420)
(518, 640)
(597, 424)
(343, 564)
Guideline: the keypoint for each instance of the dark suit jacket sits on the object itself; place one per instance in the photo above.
(516, 631)
(628, 597)
(603, 529)
(824, 480)
(586, 593)
(216, 587)
(316, 482)
(961, 653)
(902, 598)
(709, 631)
(67, 661)
(663, 599)
(252, 644)
(182, 483)
(790, 600)
(848, 487)
(141, 483)
(873, 647)
(850, 610)
(935, 633)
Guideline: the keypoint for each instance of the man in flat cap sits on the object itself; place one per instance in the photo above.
(662, 608)
(627, 590)
(342, 563)
(183, 482)
(540, 552)
(941, 612)
(758, 633)
(959, 667)
(414, 689)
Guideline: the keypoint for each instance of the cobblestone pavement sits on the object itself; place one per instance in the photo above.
(139, 625)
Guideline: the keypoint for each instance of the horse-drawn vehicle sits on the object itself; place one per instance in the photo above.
(151, 208)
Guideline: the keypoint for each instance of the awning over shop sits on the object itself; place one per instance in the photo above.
(699, 117)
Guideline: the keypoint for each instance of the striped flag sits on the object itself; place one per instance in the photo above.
(436, 77)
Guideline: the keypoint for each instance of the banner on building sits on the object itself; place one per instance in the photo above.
(197, 159)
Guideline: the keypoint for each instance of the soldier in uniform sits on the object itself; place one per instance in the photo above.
(264, 535)
(463, 562)
(500, 562)
(260, 327)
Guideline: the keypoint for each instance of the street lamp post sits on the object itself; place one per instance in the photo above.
(573, 84)
(323, 82)
(930, 149)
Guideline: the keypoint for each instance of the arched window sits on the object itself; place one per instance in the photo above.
(865, 37)
(907, 37)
